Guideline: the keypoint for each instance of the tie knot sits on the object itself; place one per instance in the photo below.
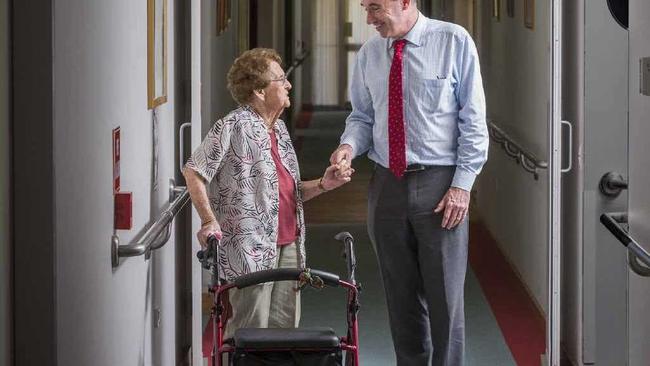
(399, 45)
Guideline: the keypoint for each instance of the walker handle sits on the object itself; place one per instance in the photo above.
(348, 241)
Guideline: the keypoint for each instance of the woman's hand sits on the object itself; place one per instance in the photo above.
(335, 176)
(207, 229)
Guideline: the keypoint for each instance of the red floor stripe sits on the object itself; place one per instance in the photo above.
(522, 325)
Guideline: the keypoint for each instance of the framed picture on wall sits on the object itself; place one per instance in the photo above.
(223, 16)
(496, 9)
(156, 53)
(510, 8)
(529, 14)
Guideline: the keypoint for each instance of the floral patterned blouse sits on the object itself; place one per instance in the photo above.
(235, 159)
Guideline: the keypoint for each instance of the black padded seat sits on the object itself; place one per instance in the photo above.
(286, 338)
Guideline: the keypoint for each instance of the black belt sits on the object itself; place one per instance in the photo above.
(416, 168)
(413, 168)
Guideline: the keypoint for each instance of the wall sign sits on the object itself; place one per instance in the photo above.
(116, 160)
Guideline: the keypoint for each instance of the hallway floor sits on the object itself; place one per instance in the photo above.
(503, 326)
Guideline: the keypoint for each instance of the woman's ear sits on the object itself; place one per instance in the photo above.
(259, 93)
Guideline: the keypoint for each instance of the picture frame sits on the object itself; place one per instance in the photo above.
(529, 14)
(496, 9)
(156, 53)
(510, 8)
(222, 16)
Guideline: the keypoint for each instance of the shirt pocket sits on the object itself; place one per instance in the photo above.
(434, 95)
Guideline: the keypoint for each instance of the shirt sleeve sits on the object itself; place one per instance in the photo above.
(359, 124)
(473, 139)
(208, 156)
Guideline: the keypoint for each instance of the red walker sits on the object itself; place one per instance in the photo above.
(283, 346)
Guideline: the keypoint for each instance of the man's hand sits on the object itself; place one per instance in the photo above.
(342, 159)
(207, 229)
(455, 203)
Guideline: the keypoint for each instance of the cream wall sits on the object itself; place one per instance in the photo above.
(514, 206)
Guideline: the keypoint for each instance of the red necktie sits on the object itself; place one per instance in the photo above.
(396, 140)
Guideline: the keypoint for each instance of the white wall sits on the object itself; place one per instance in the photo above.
(514, 206)
(5, 180)
(100, 82)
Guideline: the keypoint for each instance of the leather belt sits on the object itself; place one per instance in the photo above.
(416, 168)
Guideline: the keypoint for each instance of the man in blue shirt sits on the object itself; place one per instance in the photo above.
(418, 110)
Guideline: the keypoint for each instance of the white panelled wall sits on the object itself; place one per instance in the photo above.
(104, 315)
(514, 206)
(326, 52)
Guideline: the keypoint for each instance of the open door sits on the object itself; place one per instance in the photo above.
(636, 238)
(639, 179)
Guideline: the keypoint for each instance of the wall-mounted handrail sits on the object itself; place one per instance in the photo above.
(298, 61)
(528, 161)
(612, 221)
(158, 233)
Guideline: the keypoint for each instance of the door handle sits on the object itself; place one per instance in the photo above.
(568, 169)
(612, 221)
(181, 144)
(611, 184)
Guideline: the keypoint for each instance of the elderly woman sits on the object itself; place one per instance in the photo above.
(245, 184)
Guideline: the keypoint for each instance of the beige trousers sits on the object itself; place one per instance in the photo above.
(269, 305)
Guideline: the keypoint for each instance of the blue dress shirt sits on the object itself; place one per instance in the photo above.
(444, 103)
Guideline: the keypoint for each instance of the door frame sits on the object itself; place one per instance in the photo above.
(195, 106)
(6, 237)
(555, 181)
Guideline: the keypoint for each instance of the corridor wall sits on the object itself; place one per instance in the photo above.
(219, 52)
(100, 82)
(513, 205)
(5, 190)
(83, 72)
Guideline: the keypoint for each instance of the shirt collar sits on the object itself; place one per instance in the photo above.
(414, 36)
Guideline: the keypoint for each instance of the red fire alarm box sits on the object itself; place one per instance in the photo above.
(123, 211)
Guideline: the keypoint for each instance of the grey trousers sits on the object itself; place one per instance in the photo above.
(423, 266)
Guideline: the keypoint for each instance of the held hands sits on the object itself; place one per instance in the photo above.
(340, 170)
(342, 157)
(208, 228)
(335, 177)
(455, 204)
